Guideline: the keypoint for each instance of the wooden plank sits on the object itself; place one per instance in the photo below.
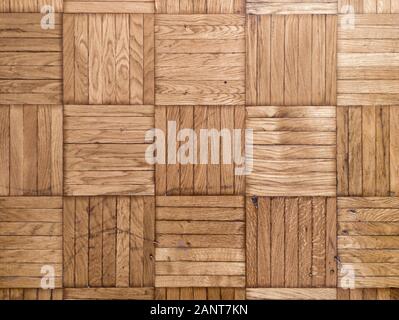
(382, 151)
(331, 60)
(109, 7)
(68, 58)
(30, 229)
(331, 242)
(5, 150)
(355, 151)
(368, 202)
(199, 254)
(277, 242)
(160, 169)
(31, 202)
(30, 242)
(108, 293)
(251, 59)
(43, 145)
(136, 59)
(292, 294)
(291, 60)
(149, 239)
(368, 215)
(304, 59)
(109, 241)
(213, 167)
(369, 256)
(318, 242)
(277, 68)
(200, 268)
(318, 59)
(284, 8)
(95, 242)
(82, 216)
(29, 147)
(187, 170)
(16, 150)
(201, 201)
(240, 118)
(123, 242)
(122, 64)
(368, 242)
(30, 215)
(108, 123)
(149, 60)
(173, 165)
(263, 63)
(394, 149)
(199, 227)
(25, 59)
(251, 244)
(200, 241)
(81, 59)
(206, 213)
(200, 281)
(109, 111)
(137, 241)
(200, 19)
(56, 150)
(342, 151)
(305, 241)
(95, 59)
(200, 46)
(368, 228)
(291, 262)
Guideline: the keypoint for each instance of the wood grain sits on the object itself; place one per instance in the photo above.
(184, 261)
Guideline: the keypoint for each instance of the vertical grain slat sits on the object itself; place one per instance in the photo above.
(263, 60)
(122, 67)
(96, 70)
(149, 240)
(123, 216)
(251, 60)
(81, 59)
(16, 150)
(355, 151)
(277, 242)
(277, 60)
(95, 242)
(109, 242)
(251, 243)
(291, 60)
(69, 58)
(43, 150)
(5, 150)
(149, 60)
(136, 241)
(369, 150)
(136, 58)
(69, 242)
(394, 151)
(291, 243)
(305, 242)
(82, 242)
(187, 170)
(264, 242)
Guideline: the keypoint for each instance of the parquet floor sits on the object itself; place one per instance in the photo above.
(310, 88)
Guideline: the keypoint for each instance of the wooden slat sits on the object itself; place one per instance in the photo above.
(109, 7)
(292, 294)
(108, 293)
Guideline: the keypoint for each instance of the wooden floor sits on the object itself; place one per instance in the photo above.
(316, 81)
